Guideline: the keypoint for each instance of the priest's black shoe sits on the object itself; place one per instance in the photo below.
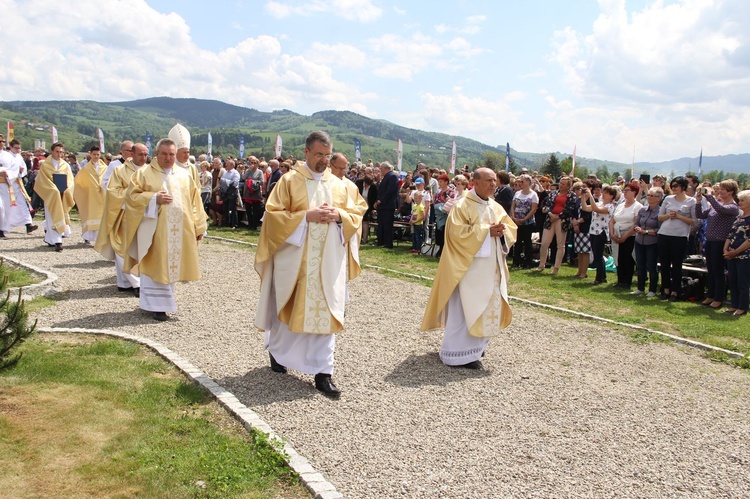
(137, 292)
(275, 366)
(161, 316)
(58, 247)
(324, 383)
(476, 365)
(122, 290)
(31, 228)
(2, 234)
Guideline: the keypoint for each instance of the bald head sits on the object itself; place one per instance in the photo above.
(338, 164)
(140, 154)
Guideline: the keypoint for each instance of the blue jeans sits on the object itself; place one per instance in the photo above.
(739, 282)
(417, 236)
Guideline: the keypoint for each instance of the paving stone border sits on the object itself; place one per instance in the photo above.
(44, 288)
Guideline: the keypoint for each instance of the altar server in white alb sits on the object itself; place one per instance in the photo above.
(469, 296)
(55, 184)
(14, 211)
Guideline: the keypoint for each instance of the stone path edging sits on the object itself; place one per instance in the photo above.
(33, 290)
(313, 480)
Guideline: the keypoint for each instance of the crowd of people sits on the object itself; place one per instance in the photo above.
(148, 214)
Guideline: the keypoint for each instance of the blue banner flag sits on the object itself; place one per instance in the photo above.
(148, 142)
(242, 146)
(700, 164)
(357, 149)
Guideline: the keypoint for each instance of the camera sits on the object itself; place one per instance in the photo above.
(705, 191)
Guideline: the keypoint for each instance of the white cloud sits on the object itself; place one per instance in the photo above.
(353, 10)
(665, 76)
(339, 54)
(400, 12)
(123, 54)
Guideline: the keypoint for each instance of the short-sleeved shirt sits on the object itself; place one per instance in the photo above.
(417, 210)
(524, 203)
(738, 234)
(600, 221)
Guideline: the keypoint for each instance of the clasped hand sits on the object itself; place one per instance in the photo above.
(497, 229)
(323, 214)
(163, 197)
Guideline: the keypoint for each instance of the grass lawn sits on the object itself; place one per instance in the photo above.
(685, 319)
(83, 416)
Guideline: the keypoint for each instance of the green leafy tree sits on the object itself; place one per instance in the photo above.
(493, 160)
(552, 167)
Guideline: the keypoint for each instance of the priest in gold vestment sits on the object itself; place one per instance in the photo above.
(304, 262)
(110, 241)
(469, 296)
(57, 205)
(89, 194)
(164, 221)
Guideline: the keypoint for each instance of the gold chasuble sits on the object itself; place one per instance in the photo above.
(307, 276)
(481, 278)
(165, 248)
(57, 205)
(110, 239)
(89, 195)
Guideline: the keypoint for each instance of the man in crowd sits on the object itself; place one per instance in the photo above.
(469, 297)
(216, 207)
(386, 204)
(110, 241)
(302, 261)
(274, 177)
(89, 194)
(126, 151)
(13, 195)
(164, 221)
(252, 193)
(55, 185)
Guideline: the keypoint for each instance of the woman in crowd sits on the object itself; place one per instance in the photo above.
(205, 179)
(646, 250)
(370, 195)
(522, 210)
(602, 213)
(676, 218)
(541, 187)
(661, 182)
(581, 224)
(404, 201)
(720, 215)
(461, 184)
(560, 208)
(622, 233)
(737, 255)
(444, 193)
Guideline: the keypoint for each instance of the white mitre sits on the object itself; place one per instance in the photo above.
(181, 136)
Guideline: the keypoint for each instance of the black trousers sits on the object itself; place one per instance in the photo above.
(598, 242)
(716, 266)
(671, 255)
(625, 262)
(523, 245)
(385, 228)
(254, 212)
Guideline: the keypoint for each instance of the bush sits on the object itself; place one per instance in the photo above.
(13, 324)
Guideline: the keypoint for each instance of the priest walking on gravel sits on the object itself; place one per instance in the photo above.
(304, 263)
(469, 296)
(164, 221)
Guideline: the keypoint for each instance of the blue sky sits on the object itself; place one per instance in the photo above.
(663, 78)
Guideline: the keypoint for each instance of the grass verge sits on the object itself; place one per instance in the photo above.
(89, 416)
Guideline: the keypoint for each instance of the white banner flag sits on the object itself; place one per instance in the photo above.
(210, 146)
(277, 148)
(453, 158)
(54, 133)
(101, 139)
(399, 154)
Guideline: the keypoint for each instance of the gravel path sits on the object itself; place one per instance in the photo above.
(567, 408)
